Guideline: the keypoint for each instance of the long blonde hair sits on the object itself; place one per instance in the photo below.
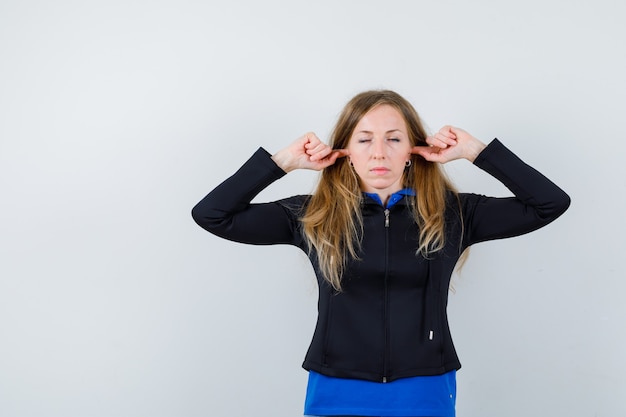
(332, 222)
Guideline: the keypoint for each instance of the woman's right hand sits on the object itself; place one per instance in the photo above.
(448, 144)
(307, 152)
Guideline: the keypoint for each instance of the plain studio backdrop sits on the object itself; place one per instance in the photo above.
(116, 117)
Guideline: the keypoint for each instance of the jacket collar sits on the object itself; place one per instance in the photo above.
(395, 198)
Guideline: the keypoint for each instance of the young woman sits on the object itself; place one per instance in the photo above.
(384, 231)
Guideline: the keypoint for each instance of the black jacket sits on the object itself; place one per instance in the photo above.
(390, 320)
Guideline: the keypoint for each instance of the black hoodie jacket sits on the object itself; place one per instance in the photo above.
(390, 319)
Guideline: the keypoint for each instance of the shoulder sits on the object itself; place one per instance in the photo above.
(455, 200)
(467, 202)
(460, 206)
(296, 204)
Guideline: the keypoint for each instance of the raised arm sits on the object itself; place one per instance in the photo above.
(227, 211)
(537, 202)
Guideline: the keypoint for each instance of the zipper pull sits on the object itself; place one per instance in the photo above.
(386, 217)
(384, 380)
(430, 335)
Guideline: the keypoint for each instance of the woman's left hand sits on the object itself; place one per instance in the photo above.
(448, 144)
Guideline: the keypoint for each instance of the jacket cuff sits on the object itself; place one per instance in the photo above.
(492, 148)
(265, 158)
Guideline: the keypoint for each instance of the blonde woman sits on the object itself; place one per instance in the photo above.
(384, 231)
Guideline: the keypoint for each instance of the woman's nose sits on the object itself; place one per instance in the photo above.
(378, 149)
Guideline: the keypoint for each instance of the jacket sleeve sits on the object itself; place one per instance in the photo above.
(537, 202)
(227, 212)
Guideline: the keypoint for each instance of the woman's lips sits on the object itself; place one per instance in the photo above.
(379, 170)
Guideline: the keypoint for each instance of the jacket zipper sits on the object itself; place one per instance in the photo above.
(386, 300)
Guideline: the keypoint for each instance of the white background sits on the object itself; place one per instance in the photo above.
(116, 117)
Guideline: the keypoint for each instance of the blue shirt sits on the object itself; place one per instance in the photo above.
(413, 396)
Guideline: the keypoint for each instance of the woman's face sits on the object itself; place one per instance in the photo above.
(379, 149)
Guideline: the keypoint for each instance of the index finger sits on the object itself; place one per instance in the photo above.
(341, 153)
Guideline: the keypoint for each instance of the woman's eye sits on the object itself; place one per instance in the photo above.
(394, 139)
(363, 140)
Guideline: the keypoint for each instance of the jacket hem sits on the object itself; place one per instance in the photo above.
(377, 377)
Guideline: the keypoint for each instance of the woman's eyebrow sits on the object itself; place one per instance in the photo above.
(389, 131)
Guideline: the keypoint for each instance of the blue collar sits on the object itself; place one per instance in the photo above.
(395, 197)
